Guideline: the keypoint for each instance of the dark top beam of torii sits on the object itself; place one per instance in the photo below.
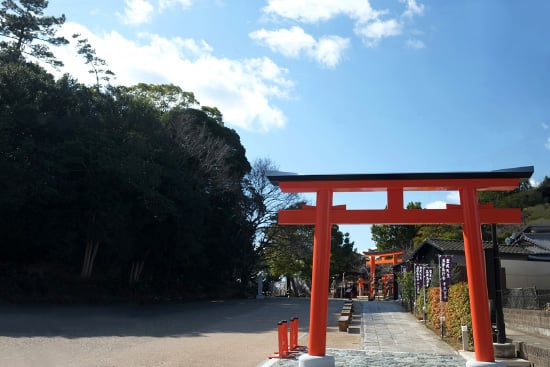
(469, 213)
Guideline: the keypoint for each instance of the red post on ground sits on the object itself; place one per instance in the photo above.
(320, 276)
(282, 339)
(477, 280)
(294, 347)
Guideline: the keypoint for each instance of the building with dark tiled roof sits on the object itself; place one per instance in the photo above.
(535, 240)
(524, 257)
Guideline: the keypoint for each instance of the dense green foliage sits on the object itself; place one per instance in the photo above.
(406, 288)
(290, 252)
(26, 31)
(114, 187)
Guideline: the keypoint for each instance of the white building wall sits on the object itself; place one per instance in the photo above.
(524, 274)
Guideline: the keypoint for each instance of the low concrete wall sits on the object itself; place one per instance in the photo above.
(535, 322)
(540, 357)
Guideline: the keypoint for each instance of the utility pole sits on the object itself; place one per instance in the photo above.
(499, 314)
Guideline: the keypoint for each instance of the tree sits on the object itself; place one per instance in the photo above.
(101, 185)
(388, 237)
(27, 32)
(165, 97)
(290, 253)
(442, 231)
(97, 64)
(544, 189)
(213, 113)
(343, 255)
(264, 200)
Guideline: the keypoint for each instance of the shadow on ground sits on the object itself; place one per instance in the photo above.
(184, 319)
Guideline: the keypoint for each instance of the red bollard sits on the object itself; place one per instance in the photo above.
(282, 331)
(294, 347)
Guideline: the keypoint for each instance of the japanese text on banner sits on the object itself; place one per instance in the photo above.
(445, 276)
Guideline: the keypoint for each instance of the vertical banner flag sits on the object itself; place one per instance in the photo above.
(445, 276)
(418, 275)
(428, 272)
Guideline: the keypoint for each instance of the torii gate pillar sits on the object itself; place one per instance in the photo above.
(469, 213)
(319, 288)
(477, 281)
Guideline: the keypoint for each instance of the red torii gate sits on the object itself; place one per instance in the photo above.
(469, 213)
(386, 257)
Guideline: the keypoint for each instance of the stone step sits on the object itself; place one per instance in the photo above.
(508, 362)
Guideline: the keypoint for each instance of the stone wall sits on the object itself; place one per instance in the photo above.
(536, 322)
(540, 357)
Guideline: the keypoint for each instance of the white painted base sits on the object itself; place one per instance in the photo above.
(485, 364)
(305, 360)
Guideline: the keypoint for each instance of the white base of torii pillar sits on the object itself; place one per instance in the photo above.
(485, 364)
(316, 361)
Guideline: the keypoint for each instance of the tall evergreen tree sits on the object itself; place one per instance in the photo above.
(26, 31)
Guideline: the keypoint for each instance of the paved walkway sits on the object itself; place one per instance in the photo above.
(391, 337)
(387, 328)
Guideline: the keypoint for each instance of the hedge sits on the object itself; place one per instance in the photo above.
(456, 310)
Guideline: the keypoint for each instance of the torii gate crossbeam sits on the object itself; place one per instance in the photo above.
(469, 213)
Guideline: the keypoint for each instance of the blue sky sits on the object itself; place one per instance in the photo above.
(351, 86)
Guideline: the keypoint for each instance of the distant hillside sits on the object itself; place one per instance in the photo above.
(534, 202)
(537, 214)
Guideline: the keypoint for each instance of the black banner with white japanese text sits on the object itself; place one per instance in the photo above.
(445, 276)
(428, 272)
(418, 276)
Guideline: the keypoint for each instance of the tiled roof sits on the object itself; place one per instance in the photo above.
(516, 248)
(536, 242)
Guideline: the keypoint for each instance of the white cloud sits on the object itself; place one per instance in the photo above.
(136, 12)
(415, 43)
(452, 197)
(439, 204)
(368, 22)
(545, 126)
(289, 42)
(328, 50)
(373, 32)
(312, 11)
(413, 8)
(165, 4)
(294, 42)
(243, 89)
(547, 145)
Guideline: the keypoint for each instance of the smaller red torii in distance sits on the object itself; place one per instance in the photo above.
(393, 257)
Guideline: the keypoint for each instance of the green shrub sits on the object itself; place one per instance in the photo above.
(456, 310)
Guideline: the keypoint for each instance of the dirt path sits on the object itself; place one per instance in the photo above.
(219, 333)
